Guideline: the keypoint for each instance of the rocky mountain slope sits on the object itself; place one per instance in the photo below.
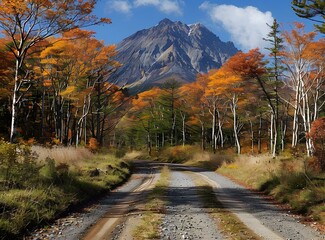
(169, 50)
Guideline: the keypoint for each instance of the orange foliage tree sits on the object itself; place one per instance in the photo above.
(317, 135)
(74, 70)
(304, 60)
(29, 22)
(193, 97)
(232, 84)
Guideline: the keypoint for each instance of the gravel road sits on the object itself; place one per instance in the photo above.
(264, 218)
(185, 217)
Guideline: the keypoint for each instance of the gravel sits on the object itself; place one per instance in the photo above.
(185, 217)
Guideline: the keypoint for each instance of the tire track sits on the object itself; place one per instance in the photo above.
(106, 227)
(262, 217)
(246, 218)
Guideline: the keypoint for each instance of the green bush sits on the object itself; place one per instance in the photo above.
(270, 184)
(48, 171)
(294, 180)
(18, 167)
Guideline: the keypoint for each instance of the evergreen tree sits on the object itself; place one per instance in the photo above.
(311, 9)
(275, 70)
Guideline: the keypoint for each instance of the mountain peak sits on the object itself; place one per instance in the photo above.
(169, 50)
(165, 21)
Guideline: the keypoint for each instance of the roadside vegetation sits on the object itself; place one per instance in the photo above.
(38, 186)
(189, 154)
(289, 179)
(154, 209)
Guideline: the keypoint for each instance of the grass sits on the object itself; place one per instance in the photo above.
(154, 209)
(241, 168)
(37, 188)
(209, 160)
(227, 222)
(290, 181)
(190, 155)
(69, 155)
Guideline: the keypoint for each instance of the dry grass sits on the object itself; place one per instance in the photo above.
(69, 155)
(209, 160)
(263, 167)
(133, 155)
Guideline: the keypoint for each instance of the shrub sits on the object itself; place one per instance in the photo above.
(317, 134)
(8, 160)
(48, 171)
(177, 154)
(93, 145)
(120, 152)
(17, 165)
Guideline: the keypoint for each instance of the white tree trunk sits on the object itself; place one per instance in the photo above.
(235, 125)
(14, 103)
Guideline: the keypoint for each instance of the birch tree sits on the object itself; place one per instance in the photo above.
(304, 59)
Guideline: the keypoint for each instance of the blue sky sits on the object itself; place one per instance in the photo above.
(240, 21)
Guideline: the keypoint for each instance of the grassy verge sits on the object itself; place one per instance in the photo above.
(34, 191)
(188, 155)
(154, 209)
(228, 222)
(288, 180)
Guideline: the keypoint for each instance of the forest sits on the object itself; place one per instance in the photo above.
(63, 95)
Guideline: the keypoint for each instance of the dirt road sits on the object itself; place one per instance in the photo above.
(185, 216)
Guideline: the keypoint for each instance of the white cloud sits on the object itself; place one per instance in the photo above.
(247, 26)
(165, 6)
(122, 6)
(146, 2)
(170, 7)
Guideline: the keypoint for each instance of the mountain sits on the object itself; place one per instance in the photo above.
(169, 50)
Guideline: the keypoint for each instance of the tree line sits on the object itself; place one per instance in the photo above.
(257, 102)
(53, 75)
(56, 87)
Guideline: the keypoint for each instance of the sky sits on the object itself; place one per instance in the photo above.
(243, 22)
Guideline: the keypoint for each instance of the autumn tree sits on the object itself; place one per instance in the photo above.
(236, 76)
(215, 101)
(193, 96)
(317, 135)
(304, 59)
(27, 23)
(74, 71)
(6, 72)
